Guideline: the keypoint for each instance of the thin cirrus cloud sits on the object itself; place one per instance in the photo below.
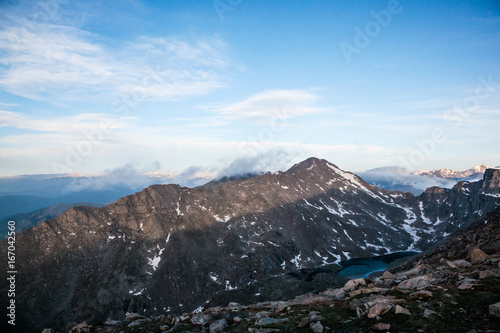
(65, 124)
(271, 104)
(66, 63)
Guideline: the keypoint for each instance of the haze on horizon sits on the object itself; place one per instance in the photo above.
(239, 85)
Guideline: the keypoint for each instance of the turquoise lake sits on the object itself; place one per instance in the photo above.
(362, 267)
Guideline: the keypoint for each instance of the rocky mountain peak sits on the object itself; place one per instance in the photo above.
(491, 181)
(480, 168)
(308, 164)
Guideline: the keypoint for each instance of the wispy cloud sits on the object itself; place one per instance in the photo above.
(65, 124)
(273, 103)
(62, 62)
(8, 104)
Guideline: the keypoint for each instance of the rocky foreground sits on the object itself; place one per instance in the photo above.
(454, 288)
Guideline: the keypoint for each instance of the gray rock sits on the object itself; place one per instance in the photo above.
(428, 313)
(494, 309)
(136, 322)
(201, 319)
(218, 326)
(335, 293)
(266, 321)
(112, 322)
(317, 327)
(234, 306)
(315, 316)
(48, 330)
(133, 316)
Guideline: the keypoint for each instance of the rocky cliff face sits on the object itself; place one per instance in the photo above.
(169, 249)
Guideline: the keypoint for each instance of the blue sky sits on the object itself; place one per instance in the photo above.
(239, 85)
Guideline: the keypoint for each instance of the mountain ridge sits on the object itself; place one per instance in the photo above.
(169, 248)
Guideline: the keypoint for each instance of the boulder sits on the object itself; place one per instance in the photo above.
(379, 309)
(492, 248)
(489, 273)
(112, 322)
(304, 322)
(382, 327)
(133, 316)
(428, 313)
(317, 327)
(338, 294)
(315, 316)
(218, 326)
(417, 271)
(266, 321)
(48, 330)
(415, 283)
(309, 299)
(374, 290)
(459, 263)
(464, 286)
(136, 322)
(201, 319)
(476, 253)
(233, 306)
(421, 294)
(81, 328)
(402, 310)
(494, 309)
(282, 305)
(354, 284)
(263, 314)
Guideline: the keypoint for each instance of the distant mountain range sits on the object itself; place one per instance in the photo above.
(448, 173)
(170, 249)
(29, 194)
(400, 179)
